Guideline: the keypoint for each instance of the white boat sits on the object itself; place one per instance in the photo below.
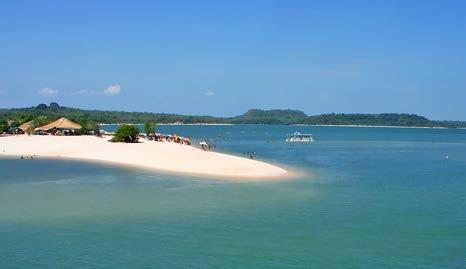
(299, 137)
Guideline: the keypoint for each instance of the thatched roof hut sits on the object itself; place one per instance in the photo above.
(26, 126)
(61, 123)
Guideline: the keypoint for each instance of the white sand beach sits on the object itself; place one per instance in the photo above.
(164, 156)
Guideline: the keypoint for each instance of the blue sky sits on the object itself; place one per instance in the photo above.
(222, 58)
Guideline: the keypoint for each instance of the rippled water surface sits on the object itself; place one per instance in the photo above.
(365, 198)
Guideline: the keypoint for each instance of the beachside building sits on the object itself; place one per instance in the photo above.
(62, 126)
(26, 126)
(22, 129)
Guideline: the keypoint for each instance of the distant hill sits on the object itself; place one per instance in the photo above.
(386, 119)
(55, 112)
(276, 116)
(257, 116)
(253, 116)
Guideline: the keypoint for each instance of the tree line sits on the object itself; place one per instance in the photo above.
(89, 119)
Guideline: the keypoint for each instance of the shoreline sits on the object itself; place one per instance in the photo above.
(171, 124)
(373, 126)
(156, 156)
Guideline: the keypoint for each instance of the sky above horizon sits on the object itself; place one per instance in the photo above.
(222, 58)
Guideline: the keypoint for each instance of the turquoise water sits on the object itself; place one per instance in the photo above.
(365, 198)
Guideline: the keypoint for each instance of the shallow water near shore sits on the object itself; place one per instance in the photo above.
(364, 198)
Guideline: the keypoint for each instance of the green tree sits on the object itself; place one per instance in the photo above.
(126, 133)
(149, 128)
(40, 121)
(92, 126)
(25, 118)
(14, 123)
(3, 126)
(87, 126)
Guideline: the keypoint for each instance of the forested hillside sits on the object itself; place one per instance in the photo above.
(15, 116)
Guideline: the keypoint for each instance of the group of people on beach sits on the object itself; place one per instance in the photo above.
(205, 145)
(28, 157)
(169, 138)
(56, 132)
(250, 154)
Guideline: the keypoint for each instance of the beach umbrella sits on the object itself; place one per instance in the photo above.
(26, 126)
(62, 123)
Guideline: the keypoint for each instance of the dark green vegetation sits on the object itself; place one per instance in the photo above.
(3, 126)
(253, 116)
(385, 119)
(149, 128)
(87, 126)
(126, 133)
(276, 116)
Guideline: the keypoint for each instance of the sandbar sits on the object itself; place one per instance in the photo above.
(162, 156)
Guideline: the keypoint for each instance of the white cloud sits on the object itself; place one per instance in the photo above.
(113, 89)
(209, 93)
(48, 92)
(110, 90)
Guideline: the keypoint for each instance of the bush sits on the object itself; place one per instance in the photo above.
(4, 126)
(126, 133)
(88, 126)
(149, 128)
